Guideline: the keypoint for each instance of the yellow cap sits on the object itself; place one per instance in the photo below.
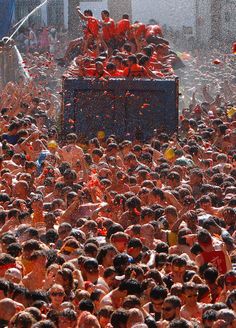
(52, 144)
(169, 154)
(101, 135)
(231, 111)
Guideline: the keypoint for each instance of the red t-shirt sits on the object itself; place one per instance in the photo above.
(153, 30)
(117, 73)
(108, 31)
(135, 71)
(139, 29)
(92, 27)
(217, 258)
(122, 26)
(95, 73)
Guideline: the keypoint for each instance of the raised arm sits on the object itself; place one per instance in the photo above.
(82, 16)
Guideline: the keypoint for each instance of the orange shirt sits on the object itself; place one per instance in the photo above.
(92, 27)
(108, 31)
(92, 72)
(135, 71)
(139, 29)
(153, 30)
(122, 26)
(117, 73)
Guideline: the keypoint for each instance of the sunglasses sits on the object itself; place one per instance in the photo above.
(167, 309)
(57, 294)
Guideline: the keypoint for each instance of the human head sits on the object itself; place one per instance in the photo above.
(171, 308)
(157, 297)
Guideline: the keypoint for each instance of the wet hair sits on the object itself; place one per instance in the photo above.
(158, 192)
(174, 301)
(131, 301)
(133, 269)
(159, 293)
(102, 252)
(209, 315)
(119, 261)
(155, 275)
(106, 13)
(4, 286)
(36, 314)
(6, 259)
(113, 229)
(133, 202)
(203, 290)
(44, 324)
(67, 276)
(22, 319)
(179, 261)
(211, 274)
(204, 236)
(132, 58)
(231, 299)
(69, 314)
(31, 245)
(87, 304)
(179, 323)
(181, 236)
(119, 318)
(160, 259)
(95, 295)
(14, 249)
(162, 247)
(189, 286)
(88, 12)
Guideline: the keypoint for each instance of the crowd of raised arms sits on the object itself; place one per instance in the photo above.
(119, 233)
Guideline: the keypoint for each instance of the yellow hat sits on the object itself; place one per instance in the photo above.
(169, 154)
(101, 135)
(52, 144)
(231, 111)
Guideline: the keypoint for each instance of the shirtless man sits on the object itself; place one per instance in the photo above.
(35, 279)
(191, 309)
(71, 152)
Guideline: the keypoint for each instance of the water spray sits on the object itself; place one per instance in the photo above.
(11, 62)
(21, 23)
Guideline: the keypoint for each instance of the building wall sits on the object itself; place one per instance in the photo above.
(174, 13)
(96, 7)
(203, 20)
(227, 20)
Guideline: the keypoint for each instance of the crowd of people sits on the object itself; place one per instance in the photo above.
(46, 38)
(121, 49)
(119, 233)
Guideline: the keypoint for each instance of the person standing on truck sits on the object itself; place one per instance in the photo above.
(92, 27)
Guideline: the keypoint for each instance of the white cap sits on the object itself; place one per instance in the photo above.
(14, 273)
